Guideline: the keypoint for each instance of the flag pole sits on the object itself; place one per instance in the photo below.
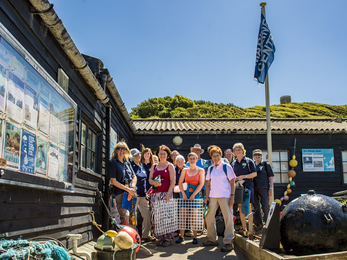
(268, 119)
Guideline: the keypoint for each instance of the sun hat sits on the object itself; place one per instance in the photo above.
(197, 146)
(257, 151)
(134, 152)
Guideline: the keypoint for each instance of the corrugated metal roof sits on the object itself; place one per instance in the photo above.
(246, 125)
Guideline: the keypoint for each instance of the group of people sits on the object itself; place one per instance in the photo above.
(212, 180)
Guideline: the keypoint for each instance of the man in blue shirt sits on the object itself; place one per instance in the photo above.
(263, 186)
(198, 151)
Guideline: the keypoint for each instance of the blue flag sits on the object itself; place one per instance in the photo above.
(265, 51)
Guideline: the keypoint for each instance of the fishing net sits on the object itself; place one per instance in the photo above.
(21, 249)
(165, 216)
(191, 214)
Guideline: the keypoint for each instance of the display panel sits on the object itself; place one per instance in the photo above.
(37, 116)
(318, 160)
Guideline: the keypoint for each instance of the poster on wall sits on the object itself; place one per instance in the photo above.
(318, 160)
(3, 86)
(15, 98)
(43, 122)
(5, 55)
(44, 91)
(113, 140)
(33, 80)
(17, 68)
(12, 144)
(28, 151)
(31, 106)
(54, 124)
(54, 127)
(63, 165)
(65, 121)
(42, 146)
(1, 137)
(53, 161)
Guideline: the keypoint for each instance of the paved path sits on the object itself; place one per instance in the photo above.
(186, 250)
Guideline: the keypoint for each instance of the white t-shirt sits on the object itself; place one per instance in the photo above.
(220, 185)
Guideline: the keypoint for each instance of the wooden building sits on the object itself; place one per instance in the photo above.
(73, 119)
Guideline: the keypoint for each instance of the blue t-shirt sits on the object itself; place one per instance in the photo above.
(121, 172)
(264, 171)
(141, 176)
(244, 167)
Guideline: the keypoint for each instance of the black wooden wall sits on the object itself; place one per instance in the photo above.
(29, 212)
(322, 182)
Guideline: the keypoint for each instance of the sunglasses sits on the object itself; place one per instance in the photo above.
(122, 148)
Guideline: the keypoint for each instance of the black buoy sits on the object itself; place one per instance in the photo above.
(314, 224)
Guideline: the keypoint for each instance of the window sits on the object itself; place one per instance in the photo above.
(344, 166)
(279, 165)
(88, 148)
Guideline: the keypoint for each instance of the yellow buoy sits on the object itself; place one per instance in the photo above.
(290, 178)
(288, 186)
(111, 233)
(293, 162)
(278, 202)
(285, 193)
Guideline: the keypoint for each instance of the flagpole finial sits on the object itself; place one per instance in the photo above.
(262, 4)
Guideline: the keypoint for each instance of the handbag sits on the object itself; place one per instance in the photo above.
(128, 204)
(246, 201)
(239, 194)
(177, 188)
(149, 193)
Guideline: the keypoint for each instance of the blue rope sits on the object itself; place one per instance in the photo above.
(19, 249)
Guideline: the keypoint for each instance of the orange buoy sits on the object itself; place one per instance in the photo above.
(291, 173)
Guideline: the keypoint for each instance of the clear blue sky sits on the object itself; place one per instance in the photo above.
(205, 49)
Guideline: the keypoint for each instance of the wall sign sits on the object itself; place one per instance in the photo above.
(318, 160)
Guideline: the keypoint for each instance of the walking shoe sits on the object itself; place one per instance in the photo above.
(147, 239)
(179, 240)
(258, 228)
(195, 241)
(160, 242)
(243, 233)
(228, 247)
(166, 243)
(210, 243)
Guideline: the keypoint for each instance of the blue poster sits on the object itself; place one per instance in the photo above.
(28, 151)
(12, 144)
(318, 160)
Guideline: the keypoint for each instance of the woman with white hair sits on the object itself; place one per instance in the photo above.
(180, 163)
(122, 178)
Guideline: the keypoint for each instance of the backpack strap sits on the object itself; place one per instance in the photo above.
(225, 169)
(247, 161)
(210, 168)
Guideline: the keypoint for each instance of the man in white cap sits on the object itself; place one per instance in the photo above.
(198, 151)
